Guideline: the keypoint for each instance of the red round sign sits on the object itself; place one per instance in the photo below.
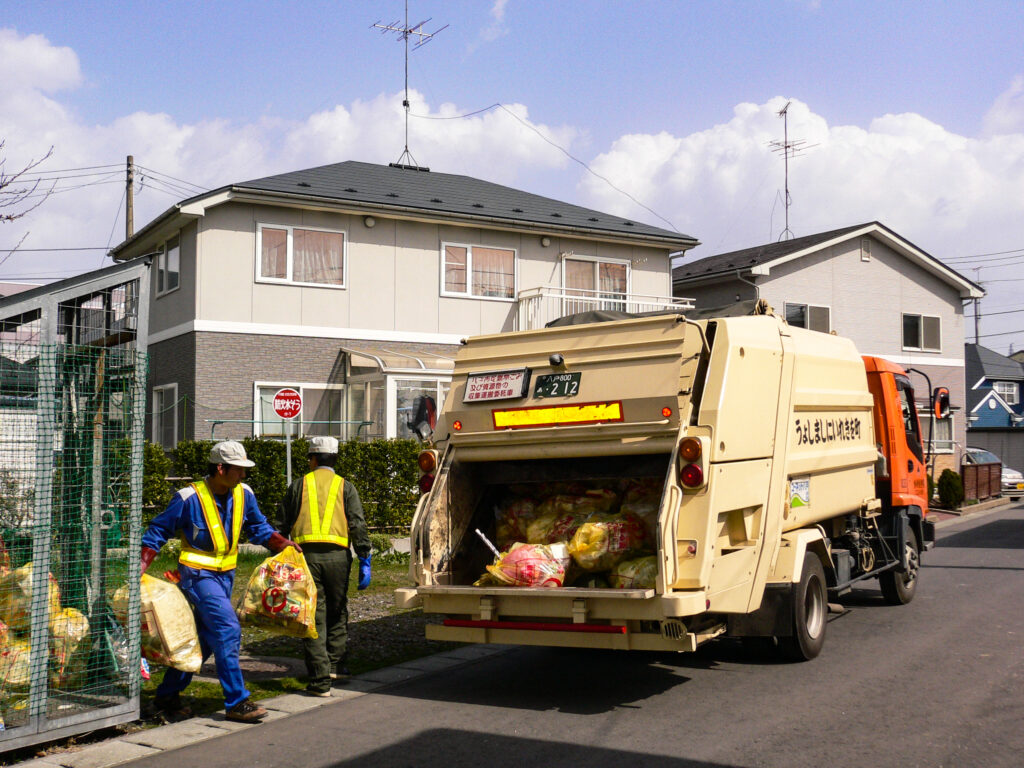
(287, 403)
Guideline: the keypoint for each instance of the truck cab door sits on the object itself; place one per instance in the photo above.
(907, 459)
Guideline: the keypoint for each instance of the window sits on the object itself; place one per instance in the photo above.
(299, 255)
(1007, 390)
(809, 316)
(475, 270)
(598, 284)
(921, 332)
(165, 415)
(942, 439)
(322, 410)
(168, 267)
(865, 249)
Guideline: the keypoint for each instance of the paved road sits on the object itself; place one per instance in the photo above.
(939, 682)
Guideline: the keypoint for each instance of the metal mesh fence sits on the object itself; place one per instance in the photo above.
(72, 393)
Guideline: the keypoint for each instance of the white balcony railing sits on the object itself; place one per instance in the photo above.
(539, 306)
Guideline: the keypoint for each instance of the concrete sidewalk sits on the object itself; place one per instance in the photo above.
(188, 732)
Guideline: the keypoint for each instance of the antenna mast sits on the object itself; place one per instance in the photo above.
(788, 149)
(404, 32)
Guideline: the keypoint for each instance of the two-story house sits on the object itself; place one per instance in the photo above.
(995, 404)
(869, 284)
(354, 284)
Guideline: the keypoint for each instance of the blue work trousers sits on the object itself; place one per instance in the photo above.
(219, 633)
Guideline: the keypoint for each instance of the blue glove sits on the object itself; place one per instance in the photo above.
(364, 573)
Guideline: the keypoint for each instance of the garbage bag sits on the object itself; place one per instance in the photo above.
(15, 667)
(169, 634)
(69, 648)
(643, 499)
(606, 539)
(280, 596)
(531, 565)
(638, 573)
(512, 516)
(16, 598)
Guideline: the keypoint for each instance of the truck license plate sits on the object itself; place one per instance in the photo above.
(558, 385)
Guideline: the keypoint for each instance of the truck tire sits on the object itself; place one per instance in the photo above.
(898, 587)
(810, 613)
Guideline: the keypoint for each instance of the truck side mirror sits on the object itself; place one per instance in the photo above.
(424, 417)
(940, 402)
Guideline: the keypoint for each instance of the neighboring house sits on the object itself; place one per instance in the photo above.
(354, 283)
(1018, 356)
(864, 282)
(995, 403)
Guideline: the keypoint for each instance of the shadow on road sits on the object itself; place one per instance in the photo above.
(998, 534)
(571, 680)
(457, 748)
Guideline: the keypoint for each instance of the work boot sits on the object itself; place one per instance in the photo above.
(313, 690)
(341, 673)
(172, 708)
(246, 712)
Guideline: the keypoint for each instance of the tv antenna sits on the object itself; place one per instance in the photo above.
(421, 38)
(788, 149)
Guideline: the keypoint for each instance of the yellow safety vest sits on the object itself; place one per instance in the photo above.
(332, 528)
(225, 553)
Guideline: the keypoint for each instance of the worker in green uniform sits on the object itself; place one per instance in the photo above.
(325, 517)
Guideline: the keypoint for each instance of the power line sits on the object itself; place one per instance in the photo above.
(69, 170)
(160, 173)
(1005, 333)
(498, 105)
(44, 250)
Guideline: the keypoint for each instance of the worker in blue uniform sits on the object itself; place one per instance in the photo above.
(209, 516)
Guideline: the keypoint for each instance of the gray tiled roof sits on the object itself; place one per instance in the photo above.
(751, 257)
(435, 193)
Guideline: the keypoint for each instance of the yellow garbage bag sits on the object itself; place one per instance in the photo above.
(280, 596)
(639, 573)
(15, 667)
(69, 648)
(169, 634)
(16, 598)
(606, 539)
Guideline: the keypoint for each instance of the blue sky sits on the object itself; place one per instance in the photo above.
(917, 111)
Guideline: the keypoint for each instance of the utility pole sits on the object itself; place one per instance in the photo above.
(977, 306)
(404, 32)
(129, 204)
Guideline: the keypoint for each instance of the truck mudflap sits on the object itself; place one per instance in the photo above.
(637, 619)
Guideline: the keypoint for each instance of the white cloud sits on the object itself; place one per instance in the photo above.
(1007, 113)
(496, 29)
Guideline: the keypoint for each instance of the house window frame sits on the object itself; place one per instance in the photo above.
(807, 307)
(921, 316)
(300, 387)
(161, 266)
(155, 426)
(1009, 386)
(569, 301)
(938, 447)
(468, 293)
(290, 255)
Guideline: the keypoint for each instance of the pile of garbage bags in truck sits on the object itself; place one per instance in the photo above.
(572, 534)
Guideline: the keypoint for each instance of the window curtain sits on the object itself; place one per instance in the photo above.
(274, 253)
(493, 272)
(455, 268)
(318, 257)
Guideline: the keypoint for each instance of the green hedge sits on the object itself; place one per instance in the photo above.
(383, 471)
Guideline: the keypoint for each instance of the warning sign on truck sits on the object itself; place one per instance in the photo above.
(557, 415)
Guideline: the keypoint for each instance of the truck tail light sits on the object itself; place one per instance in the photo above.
(427, 461)
(690, 449)
(426, 483)
(691, 476)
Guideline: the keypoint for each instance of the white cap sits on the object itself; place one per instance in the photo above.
(323, 444)
(230, 452)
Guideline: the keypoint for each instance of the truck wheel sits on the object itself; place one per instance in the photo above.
(898, 587)
(810, 613)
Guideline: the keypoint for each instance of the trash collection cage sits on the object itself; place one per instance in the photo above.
(72, 402)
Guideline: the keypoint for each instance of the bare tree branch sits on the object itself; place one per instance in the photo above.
(14, 192)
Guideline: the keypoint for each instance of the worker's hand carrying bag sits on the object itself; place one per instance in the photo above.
(280, 596)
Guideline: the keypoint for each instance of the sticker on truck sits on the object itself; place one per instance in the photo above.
(557, 415)
(799, 492)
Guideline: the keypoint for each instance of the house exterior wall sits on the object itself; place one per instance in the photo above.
(1006, 443)
(393, 273)
(173, 362)
(178, 306)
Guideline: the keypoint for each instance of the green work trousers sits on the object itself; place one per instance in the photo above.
(330, 567)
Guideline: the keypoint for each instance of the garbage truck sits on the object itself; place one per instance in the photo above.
(652, 483)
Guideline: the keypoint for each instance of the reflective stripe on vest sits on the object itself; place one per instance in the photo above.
(225, 553)
(332, 528)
